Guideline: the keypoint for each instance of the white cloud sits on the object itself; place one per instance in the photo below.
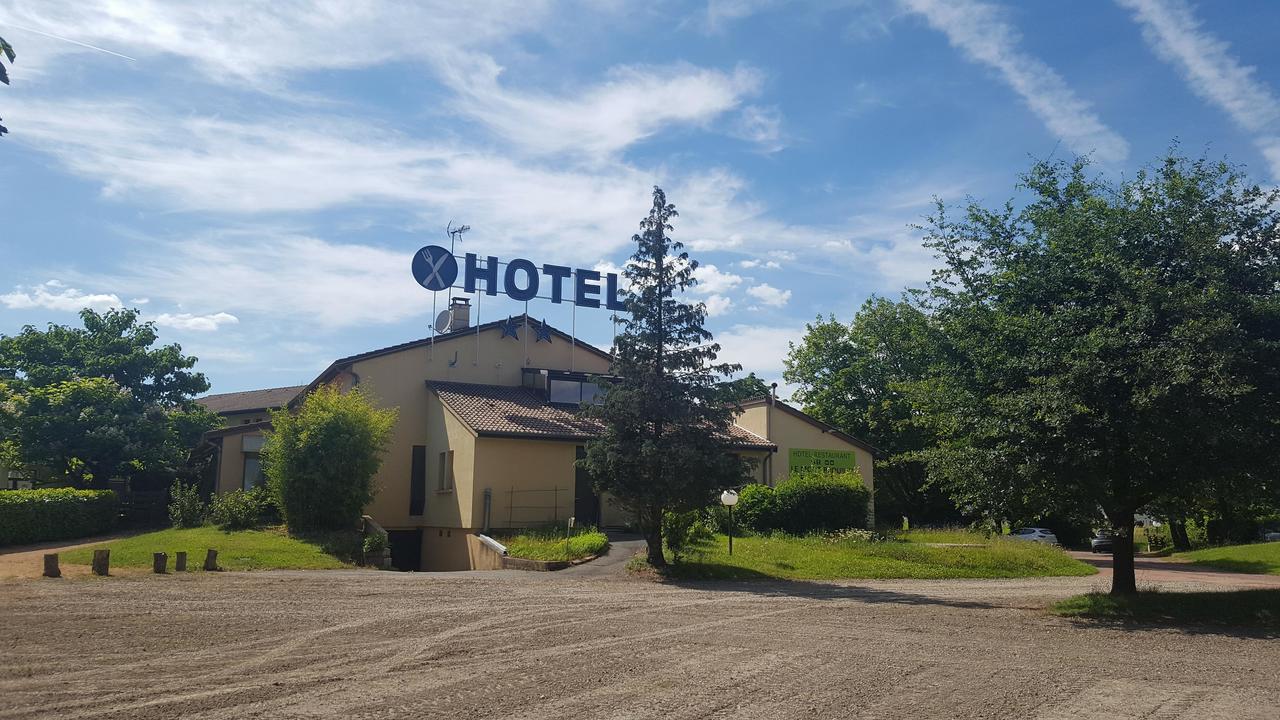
(754, 263)
(769, 295)
(53, 295)
(758, 348)
(762, 126)
(1173, 31)
(714, 281)
(195, 323)
(977, 29)
(717, 305)
(604, 119)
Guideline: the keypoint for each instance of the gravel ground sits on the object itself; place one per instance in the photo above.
(363, 644)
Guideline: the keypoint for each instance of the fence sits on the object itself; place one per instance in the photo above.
(533, 508)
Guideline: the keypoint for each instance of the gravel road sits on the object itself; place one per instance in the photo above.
(363, 644)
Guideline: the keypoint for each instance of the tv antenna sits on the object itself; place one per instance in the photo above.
(455, 233)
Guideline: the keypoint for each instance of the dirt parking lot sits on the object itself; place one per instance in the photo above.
(362, 644)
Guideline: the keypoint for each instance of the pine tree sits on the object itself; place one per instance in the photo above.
(664, 444)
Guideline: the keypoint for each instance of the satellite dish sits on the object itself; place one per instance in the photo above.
(443, 321)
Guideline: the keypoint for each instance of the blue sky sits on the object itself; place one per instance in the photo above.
(255, 177)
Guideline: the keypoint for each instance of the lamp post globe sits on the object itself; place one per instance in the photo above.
(729, 498)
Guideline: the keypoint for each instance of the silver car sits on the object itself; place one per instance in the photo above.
(1040, 535)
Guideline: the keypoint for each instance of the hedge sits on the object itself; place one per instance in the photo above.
(31, 516)
(806, 503)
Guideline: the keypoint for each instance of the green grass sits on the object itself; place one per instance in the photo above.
(1263, 558)
(269, 549)
(1241, 608)
(822, 558)
(954, 536)
(552, 545)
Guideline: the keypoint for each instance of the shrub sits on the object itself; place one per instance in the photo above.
(320, 461)
(821, 502)
(683, 530)
(241, 509)
(757, 508)
(29, 516)
(375, 543)
(186, 509)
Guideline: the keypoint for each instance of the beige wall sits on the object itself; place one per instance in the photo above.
(541, 472)
(231, 462)
(788, 431)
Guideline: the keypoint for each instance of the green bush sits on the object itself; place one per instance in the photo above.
(806, 503)
(375, 543)
(757, 508)
(186, 509)
(683, 530)
(321, 459)
(30, 516)
(241, 509)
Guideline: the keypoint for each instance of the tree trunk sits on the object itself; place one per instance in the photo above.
(102, 562)
(1123, 579)
(1178, 534)
(651, 527)
(51, 566)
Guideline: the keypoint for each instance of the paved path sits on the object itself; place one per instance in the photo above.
(28, 560)
(622, 547)
(1161, 571)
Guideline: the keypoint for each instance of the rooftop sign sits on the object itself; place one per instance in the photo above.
(435, 268)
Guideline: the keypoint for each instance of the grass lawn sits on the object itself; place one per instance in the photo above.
(1261, 558)
(269, 549)
(552, 545)
(951, 536)
(1240, 608)
(822, 558)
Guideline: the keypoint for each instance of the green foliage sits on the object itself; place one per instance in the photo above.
(186, 507)
(100, 401)
(666, 427)
(1240, 608)
(375, 543)
(242, 509)
(684, 530)
(320, 461)
(860, 554)
(7, 50)
(551, 544)
(856, 376)
(818, 501)
(1107, 345)
(30, 516)
(269, 549)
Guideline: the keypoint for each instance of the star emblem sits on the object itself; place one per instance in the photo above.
(510, 328)
(543, 330)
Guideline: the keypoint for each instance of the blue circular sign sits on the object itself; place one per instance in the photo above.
(435, 268)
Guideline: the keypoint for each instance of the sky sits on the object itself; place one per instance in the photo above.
(255, 177)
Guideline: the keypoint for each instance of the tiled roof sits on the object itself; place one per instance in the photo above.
(504, 411)
(270, 398)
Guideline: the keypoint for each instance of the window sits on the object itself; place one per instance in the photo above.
(444, 480)
(418, 481)
(252, 471)
(566, 391)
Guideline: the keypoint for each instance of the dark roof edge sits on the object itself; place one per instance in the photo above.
(237, 429)
(825, 427)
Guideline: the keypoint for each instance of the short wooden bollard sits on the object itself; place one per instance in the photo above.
(101, 562)
(211, 560)
(51, 566)
(180, 561)
(160, 563)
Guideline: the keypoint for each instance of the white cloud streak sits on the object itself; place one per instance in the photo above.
(195, 323)
(978, 30)
(1173, 32)
(52, 295)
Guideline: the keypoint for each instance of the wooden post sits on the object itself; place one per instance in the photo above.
(211, 560)
(102, 562)
(180, 561)
(160, 563)
(51, 566)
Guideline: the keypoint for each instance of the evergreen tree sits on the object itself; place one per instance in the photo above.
(666, 425)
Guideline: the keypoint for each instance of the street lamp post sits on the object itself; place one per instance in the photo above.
(729, 498)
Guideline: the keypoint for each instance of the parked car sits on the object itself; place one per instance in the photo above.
(1102, 542)
(1040, 535)
(1272, 535)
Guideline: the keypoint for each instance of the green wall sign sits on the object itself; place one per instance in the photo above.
(807, 459)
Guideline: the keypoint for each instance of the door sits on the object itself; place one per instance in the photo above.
(586, 503)
(406, 549)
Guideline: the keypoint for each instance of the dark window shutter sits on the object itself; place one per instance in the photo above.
(418, 481)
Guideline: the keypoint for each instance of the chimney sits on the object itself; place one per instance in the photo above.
(460, 311)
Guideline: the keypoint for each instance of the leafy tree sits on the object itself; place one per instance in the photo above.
(665, 419)
(99, 402)
(854, 376)
(6, 50)
(739, 389)
(321, 459)
(1109, 346)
